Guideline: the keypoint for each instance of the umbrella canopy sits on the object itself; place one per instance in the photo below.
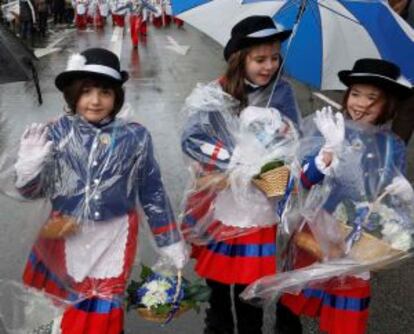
(17, 61)
(328, 36)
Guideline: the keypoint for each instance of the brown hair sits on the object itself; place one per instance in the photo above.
(388, 109)
(235, 75)
(73, 92)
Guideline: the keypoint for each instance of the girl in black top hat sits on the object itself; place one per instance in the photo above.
(249, 86)
(96, 169)
(374, 86)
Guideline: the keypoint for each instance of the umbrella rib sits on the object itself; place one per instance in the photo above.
(288, 6)
(312, 5)
(294, 30)
(338, 13)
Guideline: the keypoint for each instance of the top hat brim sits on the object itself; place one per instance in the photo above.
(66, 78)
(235, 44)
(349, 78)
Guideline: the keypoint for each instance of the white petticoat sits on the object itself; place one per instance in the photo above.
(256, 211)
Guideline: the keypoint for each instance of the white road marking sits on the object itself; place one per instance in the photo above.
(327, 100)
(174, 46)
(116, 41)
(41, 52)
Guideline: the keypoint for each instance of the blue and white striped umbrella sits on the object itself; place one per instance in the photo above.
(329, 35)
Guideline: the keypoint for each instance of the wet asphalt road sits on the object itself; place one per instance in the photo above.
(160, 79)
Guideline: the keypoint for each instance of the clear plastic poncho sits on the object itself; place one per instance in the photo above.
(349, 222)
(226, 152)
(83, 188)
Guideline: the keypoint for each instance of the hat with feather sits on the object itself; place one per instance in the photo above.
(95, 63)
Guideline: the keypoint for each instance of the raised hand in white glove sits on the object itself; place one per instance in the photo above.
(332, 128)
(177, 253)
(402, 188)
(33, 151)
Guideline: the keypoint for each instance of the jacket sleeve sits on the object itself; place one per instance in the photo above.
(203, 140)
(154, 199)
(310, 174)
(399, 155)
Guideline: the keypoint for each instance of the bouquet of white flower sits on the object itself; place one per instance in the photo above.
(161, 297)
(376, 230)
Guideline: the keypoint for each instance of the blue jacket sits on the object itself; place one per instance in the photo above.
(98, 173)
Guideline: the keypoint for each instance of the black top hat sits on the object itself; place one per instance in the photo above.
(96, 63)
(380, 73)
(251, 31)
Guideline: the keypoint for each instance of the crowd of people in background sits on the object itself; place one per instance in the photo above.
(29, 19)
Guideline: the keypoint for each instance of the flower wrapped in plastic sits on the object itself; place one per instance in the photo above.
(357, 217)
(160, 297)
(80, 190)
(228, 150)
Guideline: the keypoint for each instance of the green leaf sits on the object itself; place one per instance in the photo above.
(203, 294)
(199, 293)
(162, 309)
(145, 272)
(269, 166)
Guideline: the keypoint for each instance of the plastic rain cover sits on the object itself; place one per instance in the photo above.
(350, 222)
(226, 152)
(73, 196)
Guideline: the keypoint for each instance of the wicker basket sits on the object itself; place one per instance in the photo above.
(150, 315)
(273, 182)
(58, 226)
(367, 249)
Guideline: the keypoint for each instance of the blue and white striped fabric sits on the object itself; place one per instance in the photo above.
(329, 37)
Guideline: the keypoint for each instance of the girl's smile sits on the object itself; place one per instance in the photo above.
(365, 103)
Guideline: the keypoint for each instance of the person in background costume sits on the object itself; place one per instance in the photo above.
(138, 19)
(164, 16)
(81, 13)
(119, 9)
(99, 10)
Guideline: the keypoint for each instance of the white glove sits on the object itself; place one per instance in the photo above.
(402, 188)
(33, 151)
(177, 253)
(331, 127)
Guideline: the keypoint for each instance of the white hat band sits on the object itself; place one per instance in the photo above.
(263, 33)
(102, 69)
(401, 80)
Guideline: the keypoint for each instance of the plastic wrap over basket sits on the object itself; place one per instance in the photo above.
(351, 222)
